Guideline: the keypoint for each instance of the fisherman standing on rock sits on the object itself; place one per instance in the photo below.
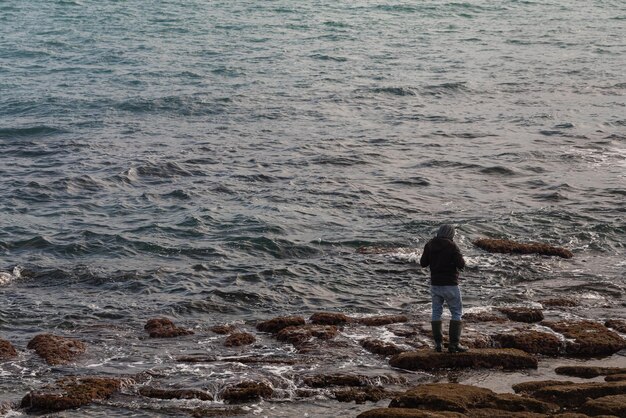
(445, 260)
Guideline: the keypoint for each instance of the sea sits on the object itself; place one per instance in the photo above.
(221, 162)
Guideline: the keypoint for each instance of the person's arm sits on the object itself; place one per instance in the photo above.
(425, 258)
(458, 258)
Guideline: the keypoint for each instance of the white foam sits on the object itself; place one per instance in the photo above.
(6, 278)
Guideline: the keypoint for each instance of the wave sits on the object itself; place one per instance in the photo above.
(29, 132)
(396, 91)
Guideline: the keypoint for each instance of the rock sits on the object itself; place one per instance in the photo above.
(590, 338)
(508, 358)
(164, 328)
(559, 302)
(7, 351)
(276, 324)
(483, 317)
(298, 335)
(530, 387)
(329, 318)
(512, 247)
(462, 398)
(362, 395)
(56, 350)
(246, 392)
(70, 392)
(572, 396)
(618, 325)
(202, 358)
(408, 413)
(380, 347)
(530, 341)
(607, 405)
(354, 380)
(527, 315)
(238, 339)
(589, 372)
(376, 321)
(496, 413)
(615, 378)
(216, 412)
(222, 329)
(151, 392)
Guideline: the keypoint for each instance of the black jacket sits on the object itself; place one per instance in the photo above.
(445, 260)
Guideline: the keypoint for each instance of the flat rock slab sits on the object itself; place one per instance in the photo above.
(246, 392)
(587, 338)
(511, 247)
(380, 347)
(55, 349)
(531, 341)
(7, 351)
(408, 413)
(607, 405)
(298, 335)
(588, 372)
(276, 324)
(490, 358)
(571, 396)
(164, 328)
(377, 321)
(158, 393)
(527, 315)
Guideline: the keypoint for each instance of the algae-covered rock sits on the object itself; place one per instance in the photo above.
(238, 339)
(157, 393)
(570, 396)
(380, 347)
(164, 328)
(527, 315)
(298, 335)
(408, 413)
(530, 387)
(276, 324)
(530, 341)
(483, 317)
(589, 372)
(618, 325)
(247, 392)
(347, 379)
(511, 247)
(559, 302)
(55, 349)
(362, 395)
(222, 329)
(376, 321)
(7, 351)
(589, 338)
(615, 378)
(329, 318)
(476, 358)
(607, 405)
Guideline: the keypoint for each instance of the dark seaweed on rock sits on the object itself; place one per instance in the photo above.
(329, 318)
(238, 339)
(618, 325)
(56, 350)
(380, 347)
(512, 247)
(507, 358)
(589, 338)
(276, 324)
(7, 351)
(157, 393)
(530, 341)
(247, 392)
(377, 321)
(164, 328)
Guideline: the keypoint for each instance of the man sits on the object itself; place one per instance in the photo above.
(445, 260)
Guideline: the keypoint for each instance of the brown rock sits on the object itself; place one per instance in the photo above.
(530, 387)
(222, 329)
(238, 339)
(201, 358)
(70, 392)
(164, 328)
(216, 412)
(354, 380)
(476, 358)
(7, 351)
(246, 392)
(376, 321)
(408, 413)
(512, 247)
(276, 324)
(362, 395)
(590, 338)
(496, 413)
(56, 350)
(615, 378)
(483, 317)
(559, 302)
(571, 396)
(527, 315)
(329, 318)
(530, 341)
(607, 405)
(589, 372)
(380, 347)
(298, 335)
(618, 325)
(151, 392)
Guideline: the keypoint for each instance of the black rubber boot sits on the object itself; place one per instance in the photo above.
(437, 335)
(455, 337)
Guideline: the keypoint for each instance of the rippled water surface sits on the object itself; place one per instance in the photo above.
(221, 161)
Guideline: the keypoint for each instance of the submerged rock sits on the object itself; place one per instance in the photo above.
(70, 392)
(222, 329)
(298, 335)
(618, 325)
(589, 338)
(380, 347)
(247, 392)
(527, 315)
(164, 328)
(157, 393)
(238, 339)
(530, 341)
(56, 350)
(607, 405)
(376, 321)
(512, 247)
(329, 318)
(276, 324)
(476, 358)
(589, 372)
(7, 351)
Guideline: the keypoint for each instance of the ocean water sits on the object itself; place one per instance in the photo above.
(221, 161)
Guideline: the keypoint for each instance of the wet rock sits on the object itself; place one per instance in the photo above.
(362, 395)
(403, 332)
(376, 321)
(329, 318)
(238, 339)
(527, 315)
(222, 329)
(559, 302)
(5, 408)
(354, 380)
(496, 413)
(164, 328)
(530, 387)
(572, 396)
(483, 317)
(247, 392)
(56, 350)
(298, 335)
(615, 378)
(7, 351)
(618, 325)
(589, 338)
(70, 392)
(202, 358)
(216, 412)
(530, 341)
(477, 358)
(408, 413)
(463, 398)
(380, 347)
(589, 372)
(607, 405)
(276, 324)
(157, 393)
(512, 247)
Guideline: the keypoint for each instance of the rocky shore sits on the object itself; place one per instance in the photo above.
(418, 382)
